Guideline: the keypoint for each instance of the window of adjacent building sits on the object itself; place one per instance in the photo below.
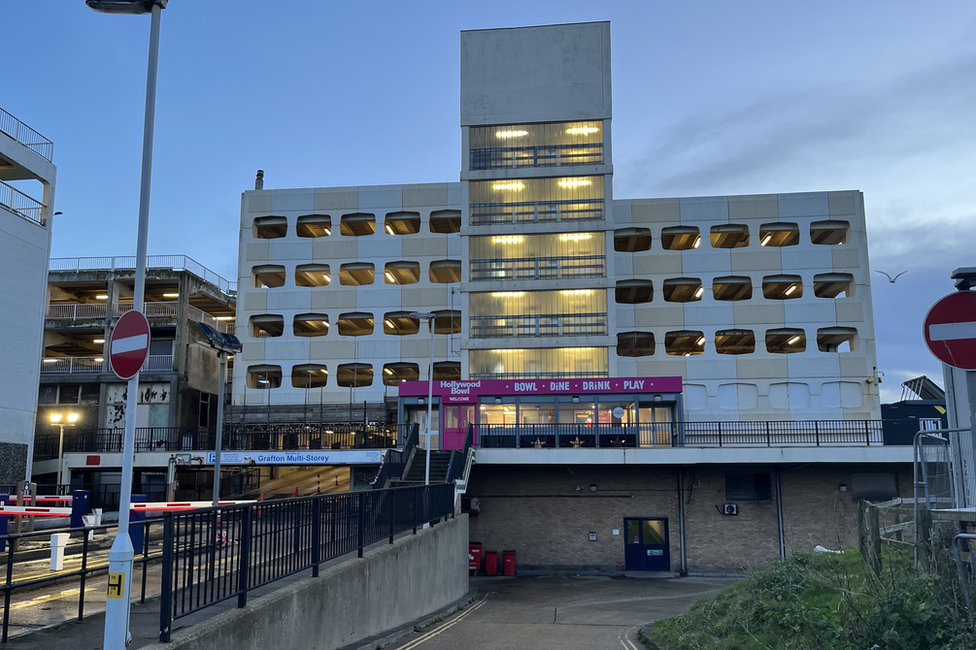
(732, 287)
(310, 325)
(536, 200)
(515, 314)
(538, 257)
(747, 487)
(635, 344)
(263, 377)
(779, 234)
(447, 370)
(309, 375)
(729, 235)
(401, 272)
(446, 321)
(735, 342)
(786, 340)
(683, 289)
(445, 222)
(533, 363)
(354, 375)
(680, 238)
(874, 486)
(355, 323)
(69, 393)
(357, 274)
(270, 227)
(268, 275)
(262, 326)
(444, 271)
(832, 285)
(684, 343)
(830, 232)
(400, 323)
(782, 287)
(402, 223)
(633, 292)
(632, 240)
(394, 373)
(357, 224)
(47, 395)
(312, 275)
(836, 339)
(314, 225)
(515, 146)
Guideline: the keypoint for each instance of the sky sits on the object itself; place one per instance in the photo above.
(709, 98)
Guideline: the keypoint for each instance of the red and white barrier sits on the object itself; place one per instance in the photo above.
(181, 505)
(38, 511)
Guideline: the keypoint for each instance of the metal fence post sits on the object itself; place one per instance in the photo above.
(416, 491)
(362, 523)
(316, 535)
(392, 495)
(769, 442)
(6, 592)
(166, 580)
(84, 572)
(243, 571)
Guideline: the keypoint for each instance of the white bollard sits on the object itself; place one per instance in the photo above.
(58, 542)
(98, 516)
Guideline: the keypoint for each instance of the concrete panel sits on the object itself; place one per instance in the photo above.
(660, 364)
(329, 349)
(380, 199)
(711, 365)
(811, 204)
(258, 202)
(256, 300)
(334, 299)
(713, 209)
(665, 263)
(432, 195)
(796, 258)
(753, 207)
(258, 251)
(664, 315)
(292, 200)
(845, 258)
(764, 259)
(707, 313)
(279, 300)
(717, 261)
(339, 199)
(419, 245)
(842, 204)
(335, 248)
(289, 248)
(664, 211)
(762, 313)
(569, 78)
(761, 367)
(849, 312)
(799, 312)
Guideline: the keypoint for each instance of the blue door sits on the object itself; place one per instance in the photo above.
(646, 545)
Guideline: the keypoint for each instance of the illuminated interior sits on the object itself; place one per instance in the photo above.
(732, 287)
(830, 232)
(270, 227)
(683, 289)
(782, 287)
(394, 373)
(833, 285)
(309, 375)
(684, 343)
(314, 225)
(786, 340)
(536, 145)
(533, 200)
(356, 274)
(357, 224)
(537, 257)
(310, 325)
(729, 235)
(515, 314)
(268, 275)
(680, 238)
(355, 323)
(837, 339)
(445, 221)
(401, 272)
(779, 234)
(266, 325)
(735, 341)
(312, 275)
(444, 271)
(541, 363)
(400, 323)
(354, 375)
(402, 223)
(264, 377)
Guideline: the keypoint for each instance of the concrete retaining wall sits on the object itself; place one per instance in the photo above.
(390, 587)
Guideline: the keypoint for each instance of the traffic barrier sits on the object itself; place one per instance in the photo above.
(136, 528)
(181, 505)
(23, 511)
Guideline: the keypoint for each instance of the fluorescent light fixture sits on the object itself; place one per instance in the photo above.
(765, 240)
(326, 323)
(50, 361)
(96, 341)
(325, 276)
(224, 317)
(575, 182)
(699, 291)
(389, 323)
(506, 294)
(101, 296)
(701, 340)
(99, 359)
(577, 292)
(581, 130)
(790, 289)
(793, 340)
(686, 354)
(171, 295)
(387, 371)
(390, 278)
(697, 242)
(507, 239)
(511, 133)
(508, 185)
(389, 229)
(328, 231)
(576, 236)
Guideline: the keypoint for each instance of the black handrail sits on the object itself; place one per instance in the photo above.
(395, 461)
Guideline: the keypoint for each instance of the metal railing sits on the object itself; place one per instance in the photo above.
(153, 262)
(537, 325)
(539, 268)
(459, 458)
(86, 311)
(76, 311)
(194, 313)
(216, 554)
(109, 440)
(150, 309)
(395, 461)
(23, 205)
(682, 434)
(484, 214)
(302, 435)
(71, 365)
(552, 155)
(26, 136)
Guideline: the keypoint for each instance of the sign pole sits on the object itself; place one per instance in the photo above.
(117, 605)
(222, 358)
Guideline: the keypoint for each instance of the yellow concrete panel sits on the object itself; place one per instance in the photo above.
(256, 300)
(660, 211)
(431, 196)
(751, 313)
(753, 207)
(333, 299)
(335, 248)
(422, 298)
(337, 199)
(659, 315)
(850, 312)
(764, 367)
(416, 346)
(661, 364)
(842, 205)
(259, 202)
(666, 263)
(419, 245)
(759, 260)
(258, 251)
(854, 366)
(845, 257)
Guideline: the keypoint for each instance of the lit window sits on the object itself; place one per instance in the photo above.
(680, 238)
(310, 325)
(357, 224)
(779, 234)
(732, 287)
(402, 273)
(312, 275)
(356, 274)
(394, 373)
(270, 227)
(268, 275)
(309, 375)
(402, 223)
(786, 340)
(830, 232)
(683, 289)
(266, 325)
(782, 287)
(314, 225)
(684, 343)
(729, 235)
(355, 324)
(735, 342)
(264, 377)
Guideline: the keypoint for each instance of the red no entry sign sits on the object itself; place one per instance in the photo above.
(129, 346)
(950, 330)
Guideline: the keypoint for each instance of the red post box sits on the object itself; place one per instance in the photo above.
(474, 556)
(491, 563)
(508, 563)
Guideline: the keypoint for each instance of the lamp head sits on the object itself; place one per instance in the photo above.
(55, 418)
(127, 7)
(72, 418)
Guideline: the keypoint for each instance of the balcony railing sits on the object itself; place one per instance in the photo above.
(76, 365)
(88, 311)
(84, 311)
(535, 268)
(683, 434)
(537, 156)
(26, 136)
(201, 316)
(485, 214)
(22, 204)
(487, 327)
(153, 262)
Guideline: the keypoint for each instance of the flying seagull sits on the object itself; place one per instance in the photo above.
(891, 279)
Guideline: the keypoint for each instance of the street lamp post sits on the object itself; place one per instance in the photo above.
(429, 317)
(117, 636)
(71, 419)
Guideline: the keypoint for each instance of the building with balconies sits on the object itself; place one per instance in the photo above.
(27, 172)
(178, 383)
(689, 371)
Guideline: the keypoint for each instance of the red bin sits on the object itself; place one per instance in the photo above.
(508, 563)
(491, 563)
(474, 556)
